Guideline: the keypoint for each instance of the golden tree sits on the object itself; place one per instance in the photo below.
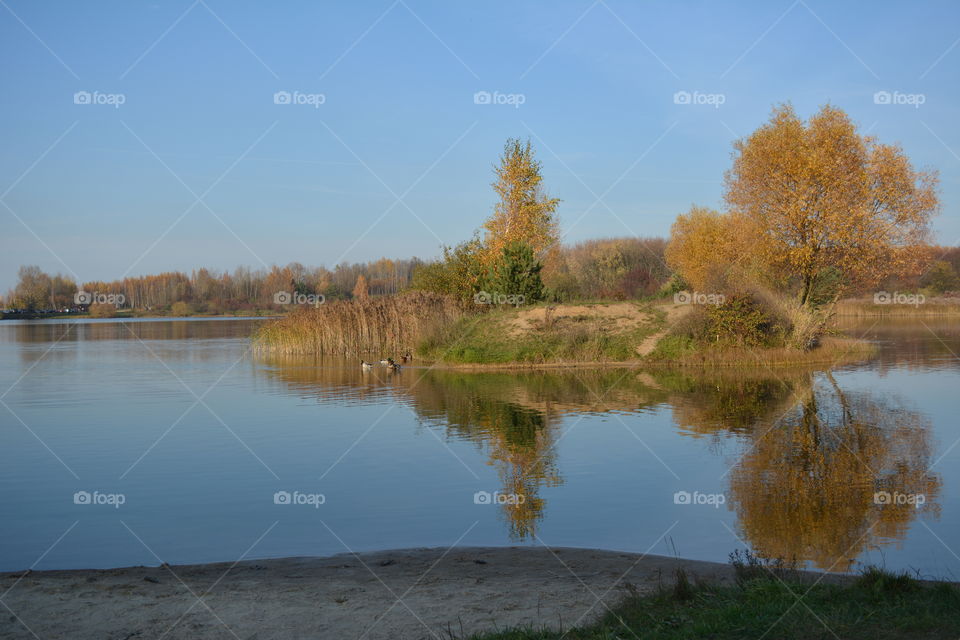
(361, 291)
(523, 212)
(704, 247)
(819, 196)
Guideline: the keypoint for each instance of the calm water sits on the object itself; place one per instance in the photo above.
(198, 439)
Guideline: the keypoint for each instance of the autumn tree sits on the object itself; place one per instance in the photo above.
(819, 196)
(704, 247)
(523, 212)
(361, 291)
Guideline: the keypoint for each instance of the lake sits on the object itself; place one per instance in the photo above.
(128, 443)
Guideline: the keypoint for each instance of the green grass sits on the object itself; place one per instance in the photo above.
(876, 606)
(488, 338)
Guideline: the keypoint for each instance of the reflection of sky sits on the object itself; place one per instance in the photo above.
(391, 479)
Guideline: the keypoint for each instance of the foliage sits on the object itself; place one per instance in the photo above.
(516, 273)
(523, 213)
(181, 309)
(608, 268)
(704, 248)
(820, 195)
(37, 290)
(102, 310)
(941, 278)
(242, 291)
(361, 291)
(740, 321)
(458, 273)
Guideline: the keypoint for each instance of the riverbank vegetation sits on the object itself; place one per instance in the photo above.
(768, 600)
(815, 212)
(384, 325)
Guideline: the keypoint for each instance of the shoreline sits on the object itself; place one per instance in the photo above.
(463, 590)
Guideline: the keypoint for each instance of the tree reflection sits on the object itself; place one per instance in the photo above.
(814, 455)
(515, 417)
(811, 485)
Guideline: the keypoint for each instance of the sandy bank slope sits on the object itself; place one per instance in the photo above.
(345, 596)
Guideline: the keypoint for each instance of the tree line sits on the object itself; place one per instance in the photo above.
(814, 210)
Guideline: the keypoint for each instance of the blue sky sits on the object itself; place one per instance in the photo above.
(200, 167)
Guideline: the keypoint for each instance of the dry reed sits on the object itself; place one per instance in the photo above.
(388, 325)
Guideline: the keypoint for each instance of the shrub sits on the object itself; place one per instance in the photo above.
(102, 310)
(740, 321)
(181, 309)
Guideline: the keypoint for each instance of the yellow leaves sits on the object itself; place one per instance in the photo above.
(821, 195)
(523, 212)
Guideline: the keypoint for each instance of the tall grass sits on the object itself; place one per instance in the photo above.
(388, 325)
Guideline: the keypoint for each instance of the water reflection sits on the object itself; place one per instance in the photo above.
(840, 473)
(809, 459)
(514, 417)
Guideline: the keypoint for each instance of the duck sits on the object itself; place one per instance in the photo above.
(392, 366)
(407, 357)
(386, 361)
(366, 366)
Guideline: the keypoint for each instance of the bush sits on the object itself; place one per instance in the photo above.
(181, 309)
(457, 274)
(741, 321)
(102, 310)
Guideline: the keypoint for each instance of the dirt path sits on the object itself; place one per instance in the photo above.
(674, 312)
(342, 597)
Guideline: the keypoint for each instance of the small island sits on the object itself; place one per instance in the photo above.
(817, 214)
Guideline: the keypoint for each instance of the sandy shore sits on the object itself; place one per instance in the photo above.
(458, 592)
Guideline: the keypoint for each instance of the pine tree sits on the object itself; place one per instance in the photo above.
(516, 274)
